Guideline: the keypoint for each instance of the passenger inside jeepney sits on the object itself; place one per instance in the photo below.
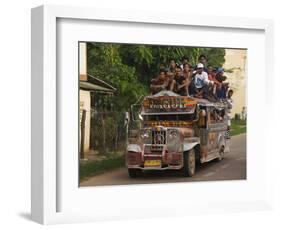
(220, 114)
(217, 115)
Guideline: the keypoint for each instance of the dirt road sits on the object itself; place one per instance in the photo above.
(232, 167)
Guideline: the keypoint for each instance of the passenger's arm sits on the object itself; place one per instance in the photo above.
(156, 86)
(185, 83)
(172, 86)
(230, 103)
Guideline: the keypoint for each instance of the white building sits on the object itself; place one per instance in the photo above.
(236, 61)
(88, 86)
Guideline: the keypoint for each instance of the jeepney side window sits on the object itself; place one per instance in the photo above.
(212, 116)
(220, 115)
(216, 115)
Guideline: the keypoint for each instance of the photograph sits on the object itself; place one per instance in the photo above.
(161, 113)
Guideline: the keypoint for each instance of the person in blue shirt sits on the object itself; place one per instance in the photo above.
(222, 85)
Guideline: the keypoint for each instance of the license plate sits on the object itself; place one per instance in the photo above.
(152, 163)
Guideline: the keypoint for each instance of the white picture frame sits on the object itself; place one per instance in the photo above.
(53, 203)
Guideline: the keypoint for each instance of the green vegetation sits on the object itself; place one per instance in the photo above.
(237, 127)
(93, 168)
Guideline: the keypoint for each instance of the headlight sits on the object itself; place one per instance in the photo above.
(173, 134)
(145, 134)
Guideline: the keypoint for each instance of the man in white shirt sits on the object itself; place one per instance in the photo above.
(199, 86)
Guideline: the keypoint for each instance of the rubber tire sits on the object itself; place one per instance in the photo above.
(189, 165)
(134, 173)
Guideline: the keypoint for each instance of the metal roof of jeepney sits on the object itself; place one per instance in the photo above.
(165, 93)
(206, 102)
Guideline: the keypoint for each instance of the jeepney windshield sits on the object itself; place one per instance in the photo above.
(168, 117)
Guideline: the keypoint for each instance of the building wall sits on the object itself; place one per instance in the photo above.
(83, 61)
(85, 103)
(236, 60)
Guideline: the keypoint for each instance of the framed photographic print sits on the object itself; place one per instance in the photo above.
(141, 114)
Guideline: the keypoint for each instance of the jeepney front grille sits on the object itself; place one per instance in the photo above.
(158, 137)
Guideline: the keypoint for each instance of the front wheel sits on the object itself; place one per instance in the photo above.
(134, 173)
(189, 161)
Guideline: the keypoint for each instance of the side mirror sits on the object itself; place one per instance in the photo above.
(126, 119)
(135, 113)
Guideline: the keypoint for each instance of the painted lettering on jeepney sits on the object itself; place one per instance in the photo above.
(168, 104)
(168, 123)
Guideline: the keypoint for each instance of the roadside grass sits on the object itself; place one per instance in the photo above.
(94, 168)
(237, 127)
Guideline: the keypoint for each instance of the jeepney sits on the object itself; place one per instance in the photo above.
(176, 132)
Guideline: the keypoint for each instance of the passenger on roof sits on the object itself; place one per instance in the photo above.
(159, 83)
(200, 83)
(187, 73)
(203, 60)
(212, 77)
(162, 67)
(222, 85)
(181, 82)
(184, 60)
(172, 66)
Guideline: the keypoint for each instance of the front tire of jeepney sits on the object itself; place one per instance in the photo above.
(134, 173)
(189, 165)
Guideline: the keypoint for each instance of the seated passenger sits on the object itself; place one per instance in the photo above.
(172, 66)
(199, 85)
(211, 73)
(221, 85)
(184, 60)
(181, 82)
(159, 83)
(187, 74)
(170, 81)
(162, 67)
(203, 60)
(212, 77)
